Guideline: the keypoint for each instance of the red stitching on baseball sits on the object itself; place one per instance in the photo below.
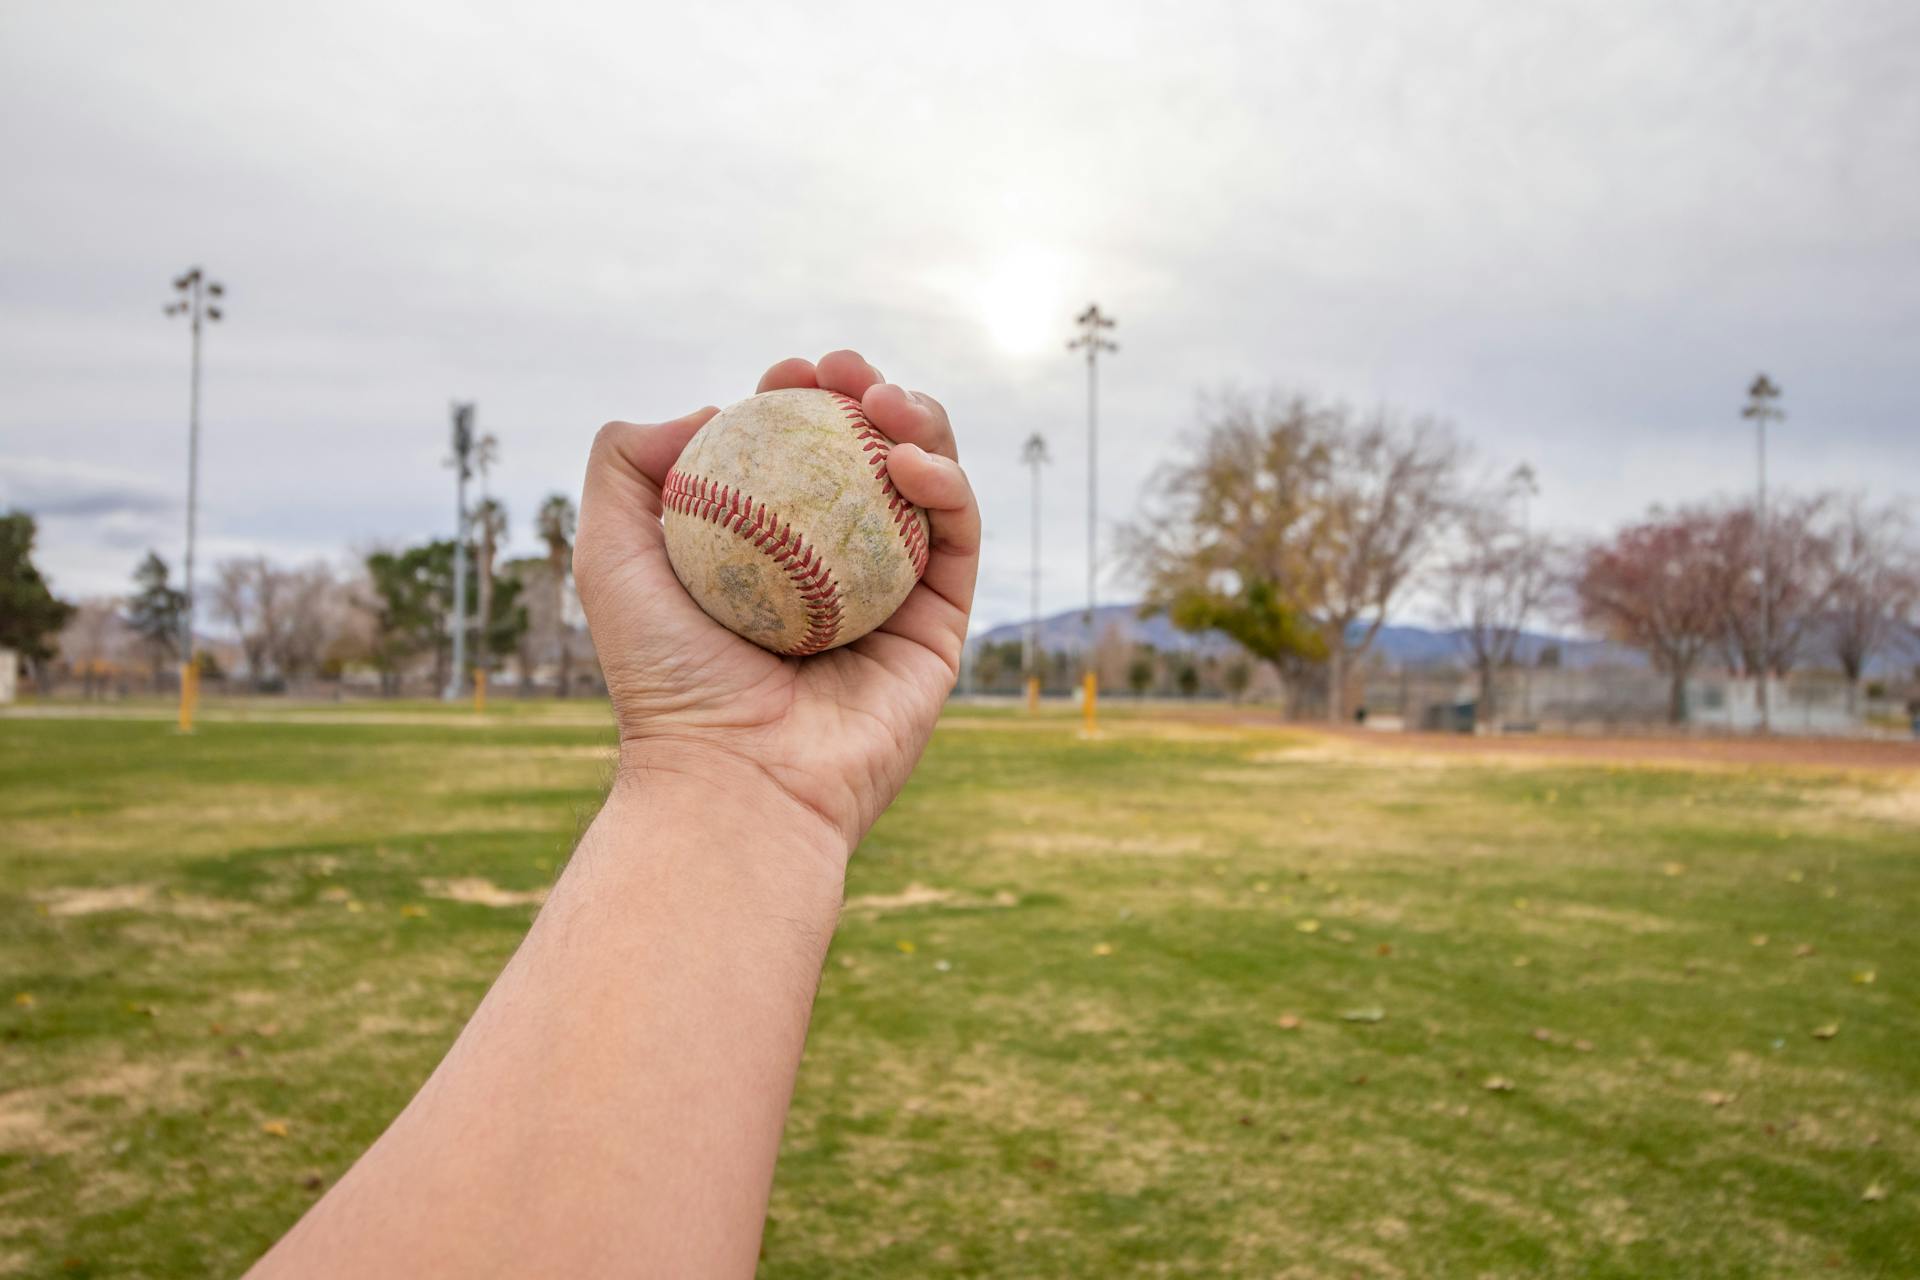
(712, 501)
(876, 446)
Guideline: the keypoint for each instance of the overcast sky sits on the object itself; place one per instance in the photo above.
(1576, 230)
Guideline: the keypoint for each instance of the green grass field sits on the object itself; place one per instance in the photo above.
(1187, 1000)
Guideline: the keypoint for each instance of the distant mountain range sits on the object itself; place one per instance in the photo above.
(1399, 646)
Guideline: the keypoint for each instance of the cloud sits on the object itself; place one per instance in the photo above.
(67, 489)
(1575, 230)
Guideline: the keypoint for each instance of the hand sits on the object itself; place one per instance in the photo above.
(835, 734)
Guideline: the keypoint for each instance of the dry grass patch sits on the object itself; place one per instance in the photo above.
(482, 892)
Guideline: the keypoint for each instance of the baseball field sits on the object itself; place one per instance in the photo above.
(1201, 997)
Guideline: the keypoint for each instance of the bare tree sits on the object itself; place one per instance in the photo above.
(1394, 492)
(347, 622)
(320, 626)
(1295, 510)
(1876, 582)
(1496, 579)
(93, 641)
(1652, 586)
(246, 595)
(291, 622)
(1769, 634)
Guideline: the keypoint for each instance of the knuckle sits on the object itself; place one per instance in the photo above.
(607, 438)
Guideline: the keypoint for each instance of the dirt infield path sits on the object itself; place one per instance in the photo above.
(1826, 753)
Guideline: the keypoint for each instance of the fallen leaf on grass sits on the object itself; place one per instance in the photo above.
(905, 948)
(1497, 1084)
(1874, 1193)
(1369, 1014)
(1384, 949)
(1715, 1098)
(25, 1000)
(1308, 926)
(1103, 948)
(1864, 978)
(1827, 1032)
(274, 1128)
(1288, 1022)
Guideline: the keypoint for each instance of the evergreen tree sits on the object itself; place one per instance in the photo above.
(30, 615)
(156, 611)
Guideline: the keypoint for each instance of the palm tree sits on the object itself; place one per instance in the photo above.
(555, 524)
(490, 525)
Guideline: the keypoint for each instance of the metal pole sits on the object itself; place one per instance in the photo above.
(1760, 407)
(1091, 323)
(1034, 455)
(193, 290)
(1033, 586)
(193, 481)
(1093, 495)
(462, 451)
(1766, 582)
(456, 678)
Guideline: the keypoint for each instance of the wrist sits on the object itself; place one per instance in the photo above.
(734, 803)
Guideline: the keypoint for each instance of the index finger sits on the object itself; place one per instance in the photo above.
(910, 417)
(791, 372)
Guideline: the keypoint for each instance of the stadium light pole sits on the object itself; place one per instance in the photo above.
(1093, 341)
(486, 452)
(199, 300)
(1034, 454)
(1524, 485)
(462, 463)
(1761, 407)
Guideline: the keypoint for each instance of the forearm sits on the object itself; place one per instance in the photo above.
(615, 1105)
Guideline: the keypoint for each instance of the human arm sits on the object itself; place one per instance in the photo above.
(614, 1107)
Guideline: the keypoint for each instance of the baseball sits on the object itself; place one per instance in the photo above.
(781, 521)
